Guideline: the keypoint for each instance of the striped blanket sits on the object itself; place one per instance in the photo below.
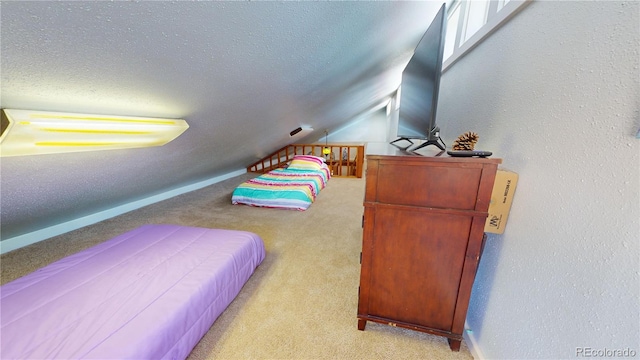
(282, 188)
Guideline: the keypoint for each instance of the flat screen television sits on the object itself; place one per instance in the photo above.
(420, 86)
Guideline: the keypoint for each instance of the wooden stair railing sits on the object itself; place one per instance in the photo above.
(344, 160)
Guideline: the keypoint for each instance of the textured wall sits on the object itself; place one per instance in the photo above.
(371, 127)
(555, 94)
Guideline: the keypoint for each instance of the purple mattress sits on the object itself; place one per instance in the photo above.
(151, 293)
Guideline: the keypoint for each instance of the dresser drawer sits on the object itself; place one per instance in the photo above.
(440, 186)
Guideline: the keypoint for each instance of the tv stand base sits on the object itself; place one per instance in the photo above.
(438, 142)
(431, 142)
(400, 139)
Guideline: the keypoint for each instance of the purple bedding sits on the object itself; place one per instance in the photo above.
(151, 293)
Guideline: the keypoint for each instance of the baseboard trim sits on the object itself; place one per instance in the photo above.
(472, 343)
(55, 230)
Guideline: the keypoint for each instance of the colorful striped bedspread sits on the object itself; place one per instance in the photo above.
(282, 188)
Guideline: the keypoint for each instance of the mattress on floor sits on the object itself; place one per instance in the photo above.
(282, 188)
(151, 293)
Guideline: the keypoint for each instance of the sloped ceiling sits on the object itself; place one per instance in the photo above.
(243, 75)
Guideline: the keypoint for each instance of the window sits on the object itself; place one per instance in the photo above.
(476, 15)
(471, 21)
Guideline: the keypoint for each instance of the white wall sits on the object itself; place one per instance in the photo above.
(555, 94)
(369, 127)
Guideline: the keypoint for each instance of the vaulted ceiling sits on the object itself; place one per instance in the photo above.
(242, 74)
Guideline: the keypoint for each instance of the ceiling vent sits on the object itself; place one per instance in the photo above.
(301, 132)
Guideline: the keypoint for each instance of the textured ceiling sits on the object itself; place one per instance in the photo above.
(243, 75)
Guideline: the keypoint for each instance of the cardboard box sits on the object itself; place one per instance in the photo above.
(501, 199)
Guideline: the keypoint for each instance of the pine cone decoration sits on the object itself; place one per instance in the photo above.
(466, 141)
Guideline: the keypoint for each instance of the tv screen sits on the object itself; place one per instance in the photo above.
(420, 85)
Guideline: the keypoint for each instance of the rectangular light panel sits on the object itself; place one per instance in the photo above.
(27, 132)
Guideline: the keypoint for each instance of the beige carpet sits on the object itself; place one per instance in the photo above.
(301, 302)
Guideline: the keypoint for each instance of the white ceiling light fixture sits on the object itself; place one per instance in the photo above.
(29, 132)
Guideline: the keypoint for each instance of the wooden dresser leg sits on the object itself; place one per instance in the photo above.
(361, 324)
(454, 344)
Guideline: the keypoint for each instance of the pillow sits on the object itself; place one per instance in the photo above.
(306, 162)
(310, 157)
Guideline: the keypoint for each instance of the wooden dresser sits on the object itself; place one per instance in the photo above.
(423, 234)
